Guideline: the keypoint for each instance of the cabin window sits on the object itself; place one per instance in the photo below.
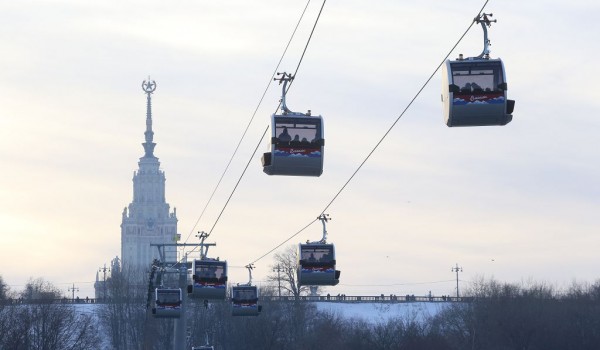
(322, 255)
(244, 294)
(474, 77)
(210, 271)
(168, 297)
(298, 131)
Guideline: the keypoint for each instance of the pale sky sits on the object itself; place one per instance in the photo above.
(518, 202)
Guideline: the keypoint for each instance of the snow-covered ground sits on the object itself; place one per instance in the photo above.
(381, 312)
(370, 312)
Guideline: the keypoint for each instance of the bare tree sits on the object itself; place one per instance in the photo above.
(285, 272)
(45, 324)
(124, 314)
(40, 289)
(530, 316)
(3, 290)
(280, 326)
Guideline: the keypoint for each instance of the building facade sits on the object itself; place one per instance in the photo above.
(148, 219)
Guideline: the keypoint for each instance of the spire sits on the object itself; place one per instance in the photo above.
(149, 87)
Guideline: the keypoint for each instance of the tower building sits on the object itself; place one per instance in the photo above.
(148, 219)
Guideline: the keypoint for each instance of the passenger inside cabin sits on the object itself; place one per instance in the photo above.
(213, 272)
(476, 87)
(312, 258)
(316, 139)
(296, 138)
(206, 272)
(285, 136)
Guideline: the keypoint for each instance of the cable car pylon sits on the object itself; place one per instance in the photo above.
(186, 278)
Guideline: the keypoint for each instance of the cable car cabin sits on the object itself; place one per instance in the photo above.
(296, 146)
(317, 265)
(208, 279)
(167, 303)
(244, 301)
(474, 93)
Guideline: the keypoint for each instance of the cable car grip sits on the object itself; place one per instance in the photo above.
(249, 267)
(284, 78)
(204, 246)
(324, 218)
(485, 21)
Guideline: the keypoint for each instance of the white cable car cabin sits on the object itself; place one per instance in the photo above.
(474, 90)
(244, 301)
(317, 265)
(297, 141)
(208, 279)
(244, 298)
(167, 303)
(297, 146)
(475, 93)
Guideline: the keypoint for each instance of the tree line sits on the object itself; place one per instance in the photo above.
(500, 316)
(44, 325)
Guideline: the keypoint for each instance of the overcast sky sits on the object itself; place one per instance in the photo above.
(518, 202)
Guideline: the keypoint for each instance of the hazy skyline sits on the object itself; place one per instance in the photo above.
(516, 202)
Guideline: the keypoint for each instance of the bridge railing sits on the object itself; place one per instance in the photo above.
(367, 298)
(274, 298)
(19, 301)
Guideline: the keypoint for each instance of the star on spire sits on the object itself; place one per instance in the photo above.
(149, 87)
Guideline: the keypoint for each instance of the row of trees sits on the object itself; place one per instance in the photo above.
(126, 319)
(44, 325)
(501, 316)
(512, 316)
(295, 326)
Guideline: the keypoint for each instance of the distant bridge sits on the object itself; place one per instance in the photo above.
(366, 298)
(274, 298)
